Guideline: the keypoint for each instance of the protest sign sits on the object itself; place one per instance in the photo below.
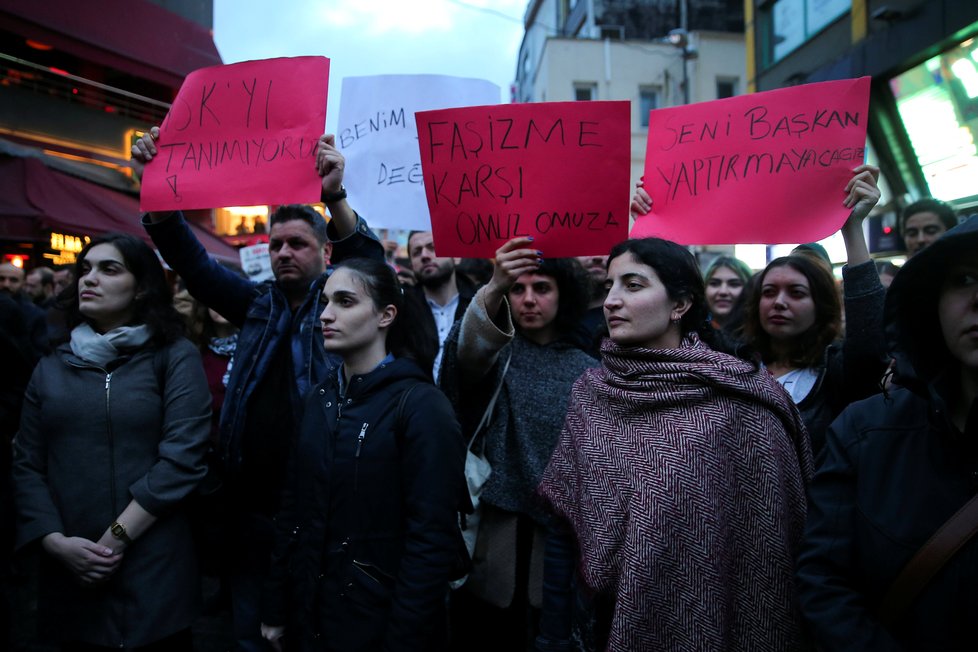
(241, 134)
(763, 168)
(557, 171)
(256, 262)
(378, 137)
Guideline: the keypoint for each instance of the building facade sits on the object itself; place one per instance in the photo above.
(77, 87)
(619, 50)
(923, 58)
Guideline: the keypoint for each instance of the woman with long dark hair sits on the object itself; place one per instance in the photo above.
(516, 341)
(680, 477)
(727, 278)
(112, 440)
(367, 537)
(794, 321)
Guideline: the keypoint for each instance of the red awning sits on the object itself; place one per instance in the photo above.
(34, 197)
(134, 36)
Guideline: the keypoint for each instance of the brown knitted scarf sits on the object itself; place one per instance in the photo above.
(682, 473)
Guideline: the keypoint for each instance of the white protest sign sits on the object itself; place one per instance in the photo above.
(379, 139)
(256, 263)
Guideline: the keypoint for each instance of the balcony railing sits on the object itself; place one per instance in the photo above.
(60, 84)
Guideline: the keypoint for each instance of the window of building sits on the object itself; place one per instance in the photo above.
(648, 99)
(726, 87)
(585, 92)
(938, 104)
(790, 23)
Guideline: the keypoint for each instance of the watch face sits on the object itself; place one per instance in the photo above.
(118, 530)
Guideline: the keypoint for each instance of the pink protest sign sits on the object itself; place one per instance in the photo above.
(241, 134)
(764, 168)
(556, 171)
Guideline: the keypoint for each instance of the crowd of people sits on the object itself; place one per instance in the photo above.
(679, 460)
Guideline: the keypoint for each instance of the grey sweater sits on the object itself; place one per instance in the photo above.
(532, 403)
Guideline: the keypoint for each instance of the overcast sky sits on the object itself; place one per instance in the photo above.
(466, 38)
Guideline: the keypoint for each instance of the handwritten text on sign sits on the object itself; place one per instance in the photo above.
(763, 168)
(378, 136)
(241, 134)
(555, 171)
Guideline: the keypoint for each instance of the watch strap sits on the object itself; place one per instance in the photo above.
(334, 196)
(118, 530)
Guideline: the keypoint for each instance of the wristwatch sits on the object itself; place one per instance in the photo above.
(118, 530)
(334, 196)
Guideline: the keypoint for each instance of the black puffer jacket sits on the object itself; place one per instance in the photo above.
(851, 368)
(895, 468)
(368, 536)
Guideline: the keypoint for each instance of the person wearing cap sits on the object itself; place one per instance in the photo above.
(898, 465)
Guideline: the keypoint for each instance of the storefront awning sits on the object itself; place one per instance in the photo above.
(134, 36)
(34, 198)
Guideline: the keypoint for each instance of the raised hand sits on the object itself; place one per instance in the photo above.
(330, 164)
(641, 201)
(143, 151)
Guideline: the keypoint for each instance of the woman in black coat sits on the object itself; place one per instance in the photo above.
(897, 466)
(367, 537)
(112, 439)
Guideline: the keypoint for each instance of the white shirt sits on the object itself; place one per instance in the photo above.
(799, 383)
(444, 320)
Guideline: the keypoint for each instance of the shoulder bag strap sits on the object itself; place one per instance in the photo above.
(487, 415)
(924, 565)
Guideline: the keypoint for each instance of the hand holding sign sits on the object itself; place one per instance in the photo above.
(515, 258)
(143, 151)
(245, 133)
(862, 192)
(761, 168)
(330, 165)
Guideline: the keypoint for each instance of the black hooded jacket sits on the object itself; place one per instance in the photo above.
(894, 469)
(368, 536)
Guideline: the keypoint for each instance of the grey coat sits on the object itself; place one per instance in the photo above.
(90, 441)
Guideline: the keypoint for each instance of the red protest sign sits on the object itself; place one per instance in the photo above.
(241, 134)
(763, 168)
(556, 171)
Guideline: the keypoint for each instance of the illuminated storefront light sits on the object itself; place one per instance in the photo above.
(65, 247)
(938, 103)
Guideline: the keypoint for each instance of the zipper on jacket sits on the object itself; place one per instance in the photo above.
(108, 427)
(123, 630)
(360, 438)
(356, 456)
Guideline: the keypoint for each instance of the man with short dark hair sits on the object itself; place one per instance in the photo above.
(39, 286)
(446, 293)
(279, 357)
(592, 322)
(63, 277)
(924, 221)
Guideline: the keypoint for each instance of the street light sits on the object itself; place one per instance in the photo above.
(680, 38)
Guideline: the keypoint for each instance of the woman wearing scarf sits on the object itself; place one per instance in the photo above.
(680, 473)
(112, 439)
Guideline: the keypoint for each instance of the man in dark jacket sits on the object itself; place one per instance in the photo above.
(279, 356)
(446, 293)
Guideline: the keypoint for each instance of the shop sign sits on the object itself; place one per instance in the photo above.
(67, 248)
